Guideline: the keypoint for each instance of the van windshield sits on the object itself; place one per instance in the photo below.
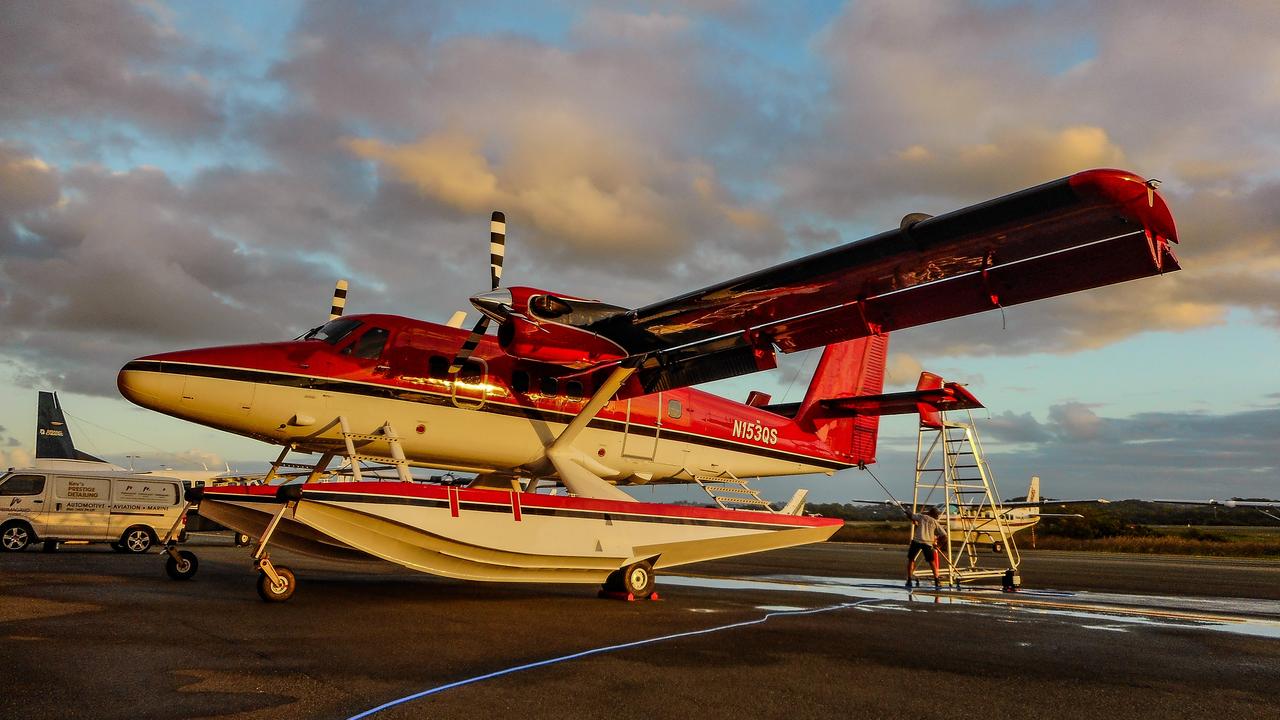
(333, 331)
(22, 485)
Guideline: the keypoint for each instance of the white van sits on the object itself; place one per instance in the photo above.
(129, 510)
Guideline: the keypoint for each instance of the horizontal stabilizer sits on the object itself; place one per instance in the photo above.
(951, 396)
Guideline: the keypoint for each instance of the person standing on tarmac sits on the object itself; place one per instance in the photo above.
(926, 531)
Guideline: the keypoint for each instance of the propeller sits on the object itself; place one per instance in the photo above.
(487, 301)
(339, 300)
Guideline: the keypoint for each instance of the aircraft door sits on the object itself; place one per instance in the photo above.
(81, 507)
(644, 426)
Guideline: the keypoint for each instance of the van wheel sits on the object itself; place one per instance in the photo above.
(15, 536)
(182, 568)
(136, 540)
(277, 593)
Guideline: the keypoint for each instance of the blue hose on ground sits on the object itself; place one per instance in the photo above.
(599, 651)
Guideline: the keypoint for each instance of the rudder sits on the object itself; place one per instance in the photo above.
(854, 367)
(53, 437)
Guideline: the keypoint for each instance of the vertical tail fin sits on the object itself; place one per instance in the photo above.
(1033, 495)
(53, 437)
(847, 369)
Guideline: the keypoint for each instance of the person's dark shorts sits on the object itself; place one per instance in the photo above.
(917, 548)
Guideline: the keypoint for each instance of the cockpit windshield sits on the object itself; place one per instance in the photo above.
(333, 331)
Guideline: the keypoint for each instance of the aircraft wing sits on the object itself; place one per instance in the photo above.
(1091, 229)
(1273, 504)
(1042, 503)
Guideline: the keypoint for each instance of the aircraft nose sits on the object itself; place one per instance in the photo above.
(144, 383)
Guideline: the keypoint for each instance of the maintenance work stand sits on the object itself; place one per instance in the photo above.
(952, 473)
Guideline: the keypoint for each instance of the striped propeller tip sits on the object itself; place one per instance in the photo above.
(339, 300)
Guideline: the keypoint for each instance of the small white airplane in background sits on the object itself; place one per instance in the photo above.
(980, 524)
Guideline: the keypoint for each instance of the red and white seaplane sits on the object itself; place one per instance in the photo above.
(596, 397)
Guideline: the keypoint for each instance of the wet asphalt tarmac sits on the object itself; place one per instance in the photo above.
(88, 633)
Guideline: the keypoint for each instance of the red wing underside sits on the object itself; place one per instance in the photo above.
(1091, 229)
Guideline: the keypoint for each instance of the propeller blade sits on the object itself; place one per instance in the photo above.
(469, 346)
(339, 300)
(497, 247)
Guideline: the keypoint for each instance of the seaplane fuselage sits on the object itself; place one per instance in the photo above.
(498, 415)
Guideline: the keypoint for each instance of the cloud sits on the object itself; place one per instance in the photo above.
(582, 194)
(101, 60)
(1076, 421)
(939, 104)
(902, 369)
(15, 457)
(654, 152)
(1008, 427)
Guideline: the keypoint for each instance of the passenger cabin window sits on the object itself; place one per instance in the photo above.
(573, 390)
(369, 345)
(674, 411)
(549, 386)
(520, 381)
(333, 331)
(22, 485)
(438, 367)
(472, 371)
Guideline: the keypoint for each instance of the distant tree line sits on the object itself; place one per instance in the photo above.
(1123, 518)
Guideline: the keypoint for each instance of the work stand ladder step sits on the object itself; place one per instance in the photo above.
(731, 493)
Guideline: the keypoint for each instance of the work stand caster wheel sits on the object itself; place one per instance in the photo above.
(272, 592)
(182, 567)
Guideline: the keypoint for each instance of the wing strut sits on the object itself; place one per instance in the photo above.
(571, 463)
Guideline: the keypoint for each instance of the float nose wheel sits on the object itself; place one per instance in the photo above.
(275, 584)
(180, 565)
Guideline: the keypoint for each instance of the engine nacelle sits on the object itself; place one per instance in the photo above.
(551, 342)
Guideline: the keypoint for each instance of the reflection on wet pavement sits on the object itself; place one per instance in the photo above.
(1105, 611)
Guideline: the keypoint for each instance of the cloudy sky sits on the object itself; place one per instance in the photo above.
(187, 174)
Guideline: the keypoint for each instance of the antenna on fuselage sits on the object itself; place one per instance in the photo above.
(339, 300)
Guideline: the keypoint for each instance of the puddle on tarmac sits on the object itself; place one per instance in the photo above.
(1106, 611)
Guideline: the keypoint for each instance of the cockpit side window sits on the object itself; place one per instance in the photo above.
(369, 345)
(547, 306)
(333, 331)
